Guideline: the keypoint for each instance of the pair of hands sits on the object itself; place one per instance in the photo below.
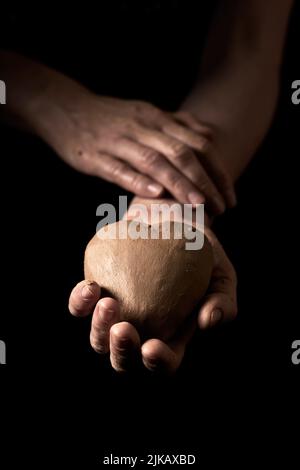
(143, 149)
(146, 151)
(122, 340)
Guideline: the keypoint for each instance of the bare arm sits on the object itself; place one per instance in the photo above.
(34, 91)
(131, 143)
(237, 87)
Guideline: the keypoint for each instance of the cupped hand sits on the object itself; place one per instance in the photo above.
(141, 148)
(121, 339)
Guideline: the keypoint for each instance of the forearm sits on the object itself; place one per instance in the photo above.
(33, 91)
(241, 64)
(245, 30)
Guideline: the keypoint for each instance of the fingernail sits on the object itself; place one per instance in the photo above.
(155, 189)
(196, 198)
(216, 317)
(87, 292)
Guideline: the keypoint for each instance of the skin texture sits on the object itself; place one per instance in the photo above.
(157, 282)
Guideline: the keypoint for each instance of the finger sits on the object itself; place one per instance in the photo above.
(83, 298)
(212, 163)
(106, 314)
(210, 160)
(116, 171)
(217, 309)
(185, 160)
(124, 346)
(154, 164)
(160, 357)
(187, 119)
(220, 304)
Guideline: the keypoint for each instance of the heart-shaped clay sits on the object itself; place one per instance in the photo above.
(157, 281)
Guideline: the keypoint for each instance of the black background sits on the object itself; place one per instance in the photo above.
(234, 398)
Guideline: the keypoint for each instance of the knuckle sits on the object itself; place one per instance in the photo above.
(181, 153)
(177, 148)
(176, 182)
(116, 169)
(74, 310)
(149, 157)
(96, 345)
(130, 127)
(120, 352)
(204, 146)
(137, 182)
(172, 178)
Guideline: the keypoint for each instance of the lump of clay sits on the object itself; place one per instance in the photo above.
(158, 282)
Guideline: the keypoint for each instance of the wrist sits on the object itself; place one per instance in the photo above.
(57, 107)
(38, 97)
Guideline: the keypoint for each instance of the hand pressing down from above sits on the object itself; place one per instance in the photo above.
(141, 148)
(127, 347)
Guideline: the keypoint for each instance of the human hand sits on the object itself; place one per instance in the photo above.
(122, 340)
(139, 147)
